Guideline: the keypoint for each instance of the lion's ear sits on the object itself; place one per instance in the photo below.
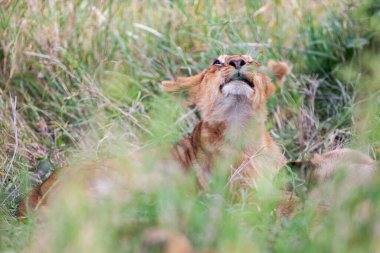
(280, 70)
(182, 83)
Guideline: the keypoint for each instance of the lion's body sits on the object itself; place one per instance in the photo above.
(208, 144)
(231, 99)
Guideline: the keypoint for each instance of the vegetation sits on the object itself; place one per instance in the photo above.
(79, 81)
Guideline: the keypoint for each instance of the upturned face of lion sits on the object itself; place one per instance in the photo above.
(232, 89)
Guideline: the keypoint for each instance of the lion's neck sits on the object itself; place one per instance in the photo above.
(235, 134)
(236, 112)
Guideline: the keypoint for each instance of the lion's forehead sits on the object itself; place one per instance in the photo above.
(226, 58)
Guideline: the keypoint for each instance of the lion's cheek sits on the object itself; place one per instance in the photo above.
(206, 103)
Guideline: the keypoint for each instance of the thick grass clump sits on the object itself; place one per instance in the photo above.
(79, 81)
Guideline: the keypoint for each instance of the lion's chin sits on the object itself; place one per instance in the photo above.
(237, 88)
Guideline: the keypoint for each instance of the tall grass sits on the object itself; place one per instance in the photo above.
(86, 74)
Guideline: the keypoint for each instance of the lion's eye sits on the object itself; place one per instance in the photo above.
(216, 62)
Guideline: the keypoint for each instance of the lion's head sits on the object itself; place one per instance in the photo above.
(232, 88)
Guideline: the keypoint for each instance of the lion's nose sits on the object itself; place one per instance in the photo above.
(237, 64)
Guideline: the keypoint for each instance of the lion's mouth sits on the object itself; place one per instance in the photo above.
(242, 78)
(238, 85)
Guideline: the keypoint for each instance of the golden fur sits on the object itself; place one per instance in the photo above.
(231, 101)
(89, 173)
(338, 173)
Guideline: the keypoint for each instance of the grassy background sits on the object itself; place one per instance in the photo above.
(85, 76)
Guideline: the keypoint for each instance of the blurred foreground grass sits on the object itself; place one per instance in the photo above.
(85, 76)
